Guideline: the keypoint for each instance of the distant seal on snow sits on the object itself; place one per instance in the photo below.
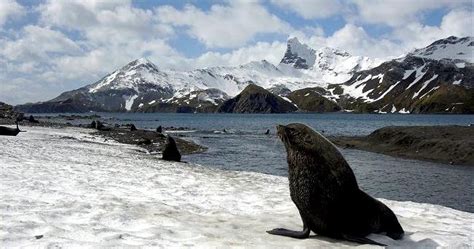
(99, 126)
(171, 152)
(325, 191)
(7, 131)
(32, 119)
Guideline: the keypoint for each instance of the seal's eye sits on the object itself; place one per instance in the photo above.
(308, 139)
(293, 131)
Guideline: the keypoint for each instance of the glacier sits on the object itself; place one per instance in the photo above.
(70, 188)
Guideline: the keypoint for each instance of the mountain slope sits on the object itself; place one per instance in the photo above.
(255, 99)
(313, 100)
(437, 79)
(325, 65)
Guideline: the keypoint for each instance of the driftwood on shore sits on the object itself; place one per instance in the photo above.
(444, 144)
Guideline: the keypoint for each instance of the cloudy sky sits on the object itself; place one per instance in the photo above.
(50, 46)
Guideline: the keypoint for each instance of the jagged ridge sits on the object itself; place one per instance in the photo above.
(438, 78)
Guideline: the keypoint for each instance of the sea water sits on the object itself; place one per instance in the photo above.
(244, 146)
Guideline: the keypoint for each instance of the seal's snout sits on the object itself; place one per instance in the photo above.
(281, 130)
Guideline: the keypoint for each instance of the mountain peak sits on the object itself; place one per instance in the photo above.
(143, 60)
(262, 64)
(452, 48)
(294, 40)
(324, 51)
(298, 55)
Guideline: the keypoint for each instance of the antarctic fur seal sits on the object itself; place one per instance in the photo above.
(325, 191)
(7, 131)
(32, 119)
(171, 152)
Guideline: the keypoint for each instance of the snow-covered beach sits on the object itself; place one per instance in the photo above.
(78, 190)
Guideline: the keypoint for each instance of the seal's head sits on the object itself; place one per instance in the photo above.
(298, 136)
(170, 141)
(301, 138)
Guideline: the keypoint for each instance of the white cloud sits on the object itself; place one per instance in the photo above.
(400, 40)
(100, 61)
(355, 40)
(416, 35)
(76, 42)
(272, 52)
(400, 12)
(105, 35)
(76, 14)
(224, 25)
(311, 9)
(36, 42)
(104, 22)
(9, 8)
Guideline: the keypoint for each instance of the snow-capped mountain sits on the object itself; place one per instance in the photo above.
(351, 82)
(142, 86)
(326, 64)
(451, 48)
(298, 55)
(438, 78)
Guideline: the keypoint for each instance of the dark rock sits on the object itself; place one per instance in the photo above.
(255, 99)
(443, 144)
(280, 90)
(132, 127)
(144, 141)
(7, 112)
(171, 152)
(159, 129)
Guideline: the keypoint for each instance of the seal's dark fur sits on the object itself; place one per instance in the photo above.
(325, 191)
(7, 131)
(171, 152)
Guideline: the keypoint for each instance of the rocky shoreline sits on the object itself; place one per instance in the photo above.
(152, 141)
(444, 144)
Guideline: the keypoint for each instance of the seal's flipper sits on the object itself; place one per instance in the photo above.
(361, 240)
(396, 235)
(289, 233)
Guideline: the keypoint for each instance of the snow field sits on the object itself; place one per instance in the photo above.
(78, 190)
